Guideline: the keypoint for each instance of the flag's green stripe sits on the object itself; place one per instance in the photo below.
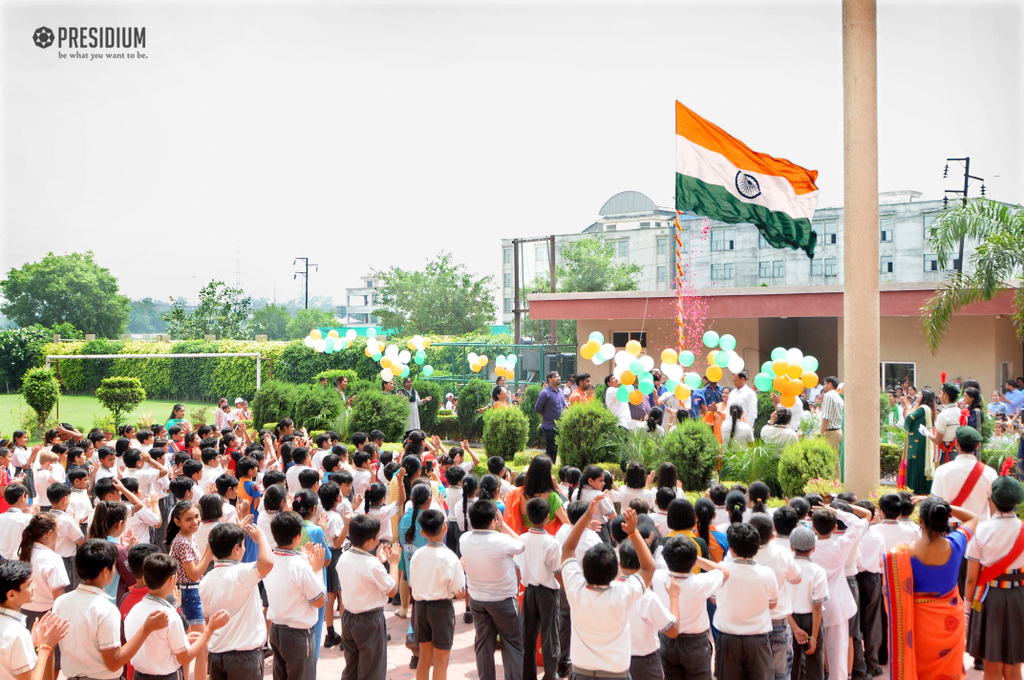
(715, 202)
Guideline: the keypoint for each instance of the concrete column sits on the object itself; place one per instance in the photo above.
(860, 205)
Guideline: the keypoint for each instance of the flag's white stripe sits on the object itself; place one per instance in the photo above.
(712, 167)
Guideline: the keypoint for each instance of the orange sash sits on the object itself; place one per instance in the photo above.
(513, 516)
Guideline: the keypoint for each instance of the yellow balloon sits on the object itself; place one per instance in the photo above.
(380, 347)
(810, 380)
(794, 371)
(397, 368)
(483, 359)
(332, 333)
(787, 400)
(385, 362)
(475, 368)
(411, 345)
(587, 352)
(426, 343)
(779, 367)
(316, 334)
(634, 348)
(368, 351)
(627, 378)
(669, 356)
(714, 373)
(635, 397)
(682, 392)
(711, 357)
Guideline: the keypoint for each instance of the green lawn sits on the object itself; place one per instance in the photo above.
(81, 410)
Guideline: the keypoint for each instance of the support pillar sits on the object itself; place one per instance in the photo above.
(860, 238)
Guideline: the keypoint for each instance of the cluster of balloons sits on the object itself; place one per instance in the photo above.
(332, 342)
(788, 372)
(394, 363)
(634, 371)
(723, 357)
(505, 366)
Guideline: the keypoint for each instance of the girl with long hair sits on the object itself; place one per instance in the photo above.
(592, 485)
(182, 525)
(110, 523)
(177, 417)
(38, 539)
(538, 484)
(306, 503)
(668, 478)
(635, 486)
(718, 546)
(411, 537)
(918, 449)
(736, 429)
(975, 408)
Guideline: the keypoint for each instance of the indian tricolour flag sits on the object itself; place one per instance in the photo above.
(720, 177)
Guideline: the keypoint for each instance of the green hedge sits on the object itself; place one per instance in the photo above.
(582, 435)
(526, 405)
(889, 456)
(505, 432)
(804, 460)
(447, 428)
(692, 448)
(429, 410)
(474, 396)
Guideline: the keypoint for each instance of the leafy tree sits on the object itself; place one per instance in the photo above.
(21, 349)
(69, 288)
(222, 311)
(145, 316)
(306, 320)
(120, 396)
(997, 261)
(443, 298)
(41, 391)
(271, 320)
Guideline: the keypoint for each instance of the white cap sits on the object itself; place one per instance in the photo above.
(239, 400)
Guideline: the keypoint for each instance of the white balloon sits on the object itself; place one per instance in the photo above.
(673, 372)
(499, 360)
(404, 356)
(648, 362)
(735, 364)
(391, 351)
(308, 341)
(386, 375)
(417, 339)
(320, 345)
(620, 369)
(794, 356)
(623, 357)
(511, 359)
(607, 351)
(351, 334)
(598, 359)
(472, 357)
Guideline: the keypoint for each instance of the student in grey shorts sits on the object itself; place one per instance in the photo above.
(366, 589)
(435, 577)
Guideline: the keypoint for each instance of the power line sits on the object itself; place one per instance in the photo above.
(305, 273)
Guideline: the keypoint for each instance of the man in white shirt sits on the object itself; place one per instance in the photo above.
(832, 407)
(487, 553)
(965, 481)
(619, 409)
(869, 587)
(744, 396)
(891, 529)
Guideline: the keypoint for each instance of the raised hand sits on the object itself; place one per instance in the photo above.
(672, 588)
(314, 554)
(629, 519)
(128, 539)
(49, 630)
(219, 619)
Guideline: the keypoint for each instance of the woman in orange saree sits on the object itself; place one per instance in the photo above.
(926, 615)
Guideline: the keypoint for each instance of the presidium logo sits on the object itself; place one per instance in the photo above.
(43, 37)
(75, 38)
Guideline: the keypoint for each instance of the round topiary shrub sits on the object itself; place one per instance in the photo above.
(428, 410)
(374, 410)
(582, 435)
(317, 403)
(765, 408)
(120, 396)
(526, 404)
(273, 401)
(505, 432)
(474, 396)
(889, 456)
(41, 390)
(804, 460)
(692, 448)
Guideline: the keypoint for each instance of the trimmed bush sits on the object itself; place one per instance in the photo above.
(889, 456)
(526, 405)
(274, 400)
(447, 428)
(765, 407)
(692, 448)
(120, 396)
(505, 432)
(193, 378)
(374, 410)
(582, 435)
(599, 391)
(428, 411)
(474, 396)
(316, 403)
(758, 461)
(41, 390)
(804, 460)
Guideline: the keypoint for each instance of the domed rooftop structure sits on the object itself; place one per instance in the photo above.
(628, 203)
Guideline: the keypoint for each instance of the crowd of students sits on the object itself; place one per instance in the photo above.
(189, 555)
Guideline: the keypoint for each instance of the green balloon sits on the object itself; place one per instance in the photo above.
(622, 394)
(646, 375)
(722, 358)
(686, 358)
(636, 367)
(778, 354)
(727, 342)
(405, 372)
(376, 357)
(646, 386)
(763, 382)
(428, 370)
(810, 364)
(692, 380)
(420, 357)
(711, 339)
(671, 385)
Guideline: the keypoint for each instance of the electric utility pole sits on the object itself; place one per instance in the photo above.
(516, 309)
(966, 162)
(305, 273)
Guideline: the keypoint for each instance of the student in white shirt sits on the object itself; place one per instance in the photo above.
(148, 477)
(211, 469)
(69, 533)
(295, 593)
(275, 500)
(951, 479)
(601, 604)
(300, 456)
(869, 589)
(892, 531)
(541, 571)
(43, 477)
(337, 514)
(18, 654)
(648, 618)
(744, 613)
(374, 506)
(592, 485)
(107, 467)
(146, 518)
(808, 598)
(575, 512)
(689, 653)
(236, 650)
(79, 506)
(635, 486)
(14, 520)
(51, 579)
(362, 476)
(364, 592)
(165, 652)
(487, 553)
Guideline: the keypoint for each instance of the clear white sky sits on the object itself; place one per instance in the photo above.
(376, 134)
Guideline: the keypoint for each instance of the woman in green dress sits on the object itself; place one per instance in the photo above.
(918, 448)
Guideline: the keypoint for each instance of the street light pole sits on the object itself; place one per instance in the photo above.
(305, 273)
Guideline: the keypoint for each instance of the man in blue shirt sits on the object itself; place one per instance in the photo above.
(712, 393)
(1014, 397)
(698, 406)
(550, 404)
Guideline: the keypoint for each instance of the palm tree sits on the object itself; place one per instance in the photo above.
(997, 262)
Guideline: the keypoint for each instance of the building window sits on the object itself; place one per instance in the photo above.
(816, 268)
(620, 338)
(931, 262)
(722, 272)
(540, 253)
(722, 239)
(829, 231)
(609, 227)
(508, 304)
(623, 248)
(508, 280)
(764, 270)
(952, 264)
(778, 269)
(369, 284)
(928, 219)
(685, 247)
(886, 228)
(762, 242)
(830, 267)
(662, 274)
(661, 246)
(508, 255)
(644, 225)
(729, 271)
(886, 264)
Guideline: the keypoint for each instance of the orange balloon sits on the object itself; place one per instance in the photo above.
(810, 380)
(711, 357)
(794, 371)
(714, 373)
(682, 392)
(385, 362)
(779, 367)
(635, 397)
(780, 382)
(787, 400)
(794, 387)
(627, 378)
(634, 348)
